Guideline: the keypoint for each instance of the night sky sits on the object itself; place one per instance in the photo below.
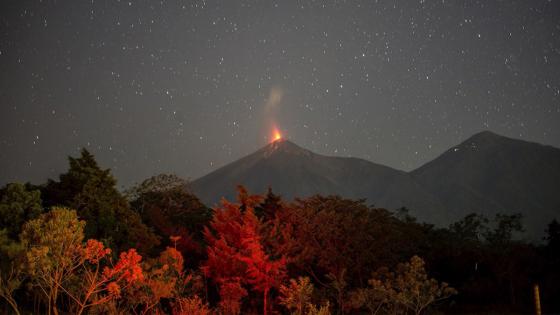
(188, 86)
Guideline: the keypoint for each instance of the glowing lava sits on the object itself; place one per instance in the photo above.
(276, 135)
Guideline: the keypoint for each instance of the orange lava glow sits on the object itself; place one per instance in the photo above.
(276, 135)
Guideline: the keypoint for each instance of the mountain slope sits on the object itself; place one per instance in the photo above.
(489, 173)
(295, 172)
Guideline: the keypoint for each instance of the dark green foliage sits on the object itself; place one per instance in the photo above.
(469, 229)
(158, 183)
(171, 210)
(336, 242)
(18, 204)
(334, 236)
(486, 263)
(92, 192)
(505, 228)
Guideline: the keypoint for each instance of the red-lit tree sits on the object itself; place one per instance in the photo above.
(164, 278)
(165, 204)
(99, 286)
(262, 272)
(231, 294)
(331, 239)
(236, 255)
(224, 241)
(223, 264)
(58, 262)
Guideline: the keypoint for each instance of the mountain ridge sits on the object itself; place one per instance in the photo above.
(489, 173)
(486, 173)
(293, 171)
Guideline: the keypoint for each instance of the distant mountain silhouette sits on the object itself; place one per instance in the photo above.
(487, 173)
(292, 171)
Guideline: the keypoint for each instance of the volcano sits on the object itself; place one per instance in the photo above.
(292, 171)
(487, 173)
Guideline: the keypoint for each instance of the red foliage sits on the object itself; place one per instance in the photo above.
(231, 293)
(127, 268)
(192, 305)
(262, 272)
(185, 241)
(98, 288)
(172, 258)
(223, 246)
(114, 289)
(94, 251)
(236, 255)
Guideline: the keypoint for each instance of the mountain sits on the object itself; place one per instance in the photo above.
(489, 173)
(292, 171)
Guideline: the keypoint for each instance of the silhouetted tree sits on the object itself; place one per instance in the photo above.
(18, 205)
(272, 203)
(92, 192)
(12, 258)
(505, 227)
(334, 240)
(157, 183)
(553, 237)
(171, 210)
(470, 229)
(406, 289)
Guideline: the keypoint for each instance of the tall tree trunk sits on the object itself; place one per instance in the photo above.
(265, 298)
(49, 304)
(54, 300)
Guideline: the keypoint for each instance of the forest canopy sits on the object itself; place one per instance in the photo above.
(77, 245)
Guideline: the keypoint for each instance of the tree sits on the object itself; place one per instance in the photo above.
(191, 305)
(553, 236)
(170, 209)
(505, 228)
(92, 192)
(223, 238)
(98, 285)
(471, 228)
(371, 299)
(157, 183)
(164, 278)
(18, 205)
(321, 310)
(501, 246)
(550, 278)
(406, 288)
(297, 295)
(11, 268)
(271, 204)
(339, 285)
(263, 272)
(58, 262)
(223, 265)
(53, 244)
(236, 255)
(331, 235)
(231, 293)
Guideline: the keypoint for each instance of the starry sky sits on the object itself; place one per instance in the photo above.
(187, 86)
